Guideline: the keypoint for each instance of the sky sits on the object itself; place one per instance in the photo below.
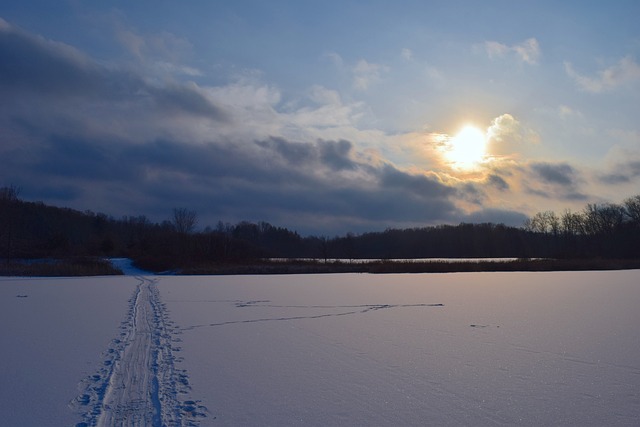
(322, 117)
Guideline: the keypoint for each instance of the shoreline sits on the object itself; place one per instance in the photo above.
(86, 266)
(410, 267)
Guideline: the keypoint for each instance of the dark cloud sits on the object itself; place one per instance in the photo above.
(570, 194)
(470, 192)
(292, 152)
(419, 185)
(225, 181)
(560, 173)
(31, 65)
(335, 154)
(79, 159)
(625, 172)
(186, 98)
(555, 181)
(576, 195)
(62, 193)
(497, 182)
(35, 64)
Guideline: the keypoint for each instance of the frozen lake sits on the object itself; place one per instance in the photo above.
(559, 348)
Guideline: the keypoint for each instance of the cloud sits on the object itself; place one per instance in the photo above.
(363, 73)
(162, 45)
(366, 73)
(70, 82)
(627, 172)
(497, 182)
(418, 184)
(567, 112)
(33, 63)
(300, 185)
(622, 161)
(297, 154)
(328, 111)
(335, 154)
(495, 49)
(159, 54)
(169, 68)
(506, 135)
(188, 98)
(555, 180)
(406, 54)
(560, 173)
(335, 58)
(331, 155)
(528, 51)
(624, 72)
(504, 127)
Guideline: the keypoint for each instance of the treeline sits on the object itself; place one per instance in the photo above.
(31, 230)
(607, 230)
(35, 230)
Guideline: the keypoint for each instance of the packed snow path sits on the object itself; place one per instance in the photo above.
(139, 384)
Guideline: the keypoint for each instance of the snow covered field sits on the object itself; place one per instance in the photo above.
(346, 349)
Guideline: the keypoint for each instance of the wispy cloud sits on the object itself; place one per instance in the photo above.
(363, 73)
(625, 71)
(528, 51)
(367, 73)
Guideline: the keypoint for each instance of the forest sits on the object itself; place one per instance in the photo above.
(34, 230)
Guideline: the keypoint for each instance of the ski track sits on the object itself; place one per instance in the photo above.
(138, 383)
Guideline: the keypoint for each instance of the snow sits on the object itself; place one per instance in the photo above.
(559, 348)
(52, 337)
(127, 267)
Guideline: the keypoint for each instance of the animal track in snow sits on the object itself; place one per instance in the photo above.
(353, 309)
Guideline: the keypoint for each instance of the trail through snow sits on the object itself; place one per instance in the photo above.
(138, 384)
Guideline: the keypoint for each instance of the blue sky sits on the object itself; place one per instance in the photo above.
(324, 117)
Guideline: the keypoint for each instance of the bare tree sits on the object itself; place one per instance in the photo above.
(8, 218)
(9, 194)
(543, 222)
(604, 218)
(572, 223)
(632, 209)
(184, 220)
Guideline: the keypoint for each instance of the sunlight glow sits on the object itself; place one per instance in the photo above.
(468, 148)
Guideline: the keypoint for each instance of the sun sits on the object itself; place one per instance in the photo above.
(467, 148)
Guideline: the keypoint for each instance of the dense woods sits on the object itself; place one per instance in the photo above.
(34, 230)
